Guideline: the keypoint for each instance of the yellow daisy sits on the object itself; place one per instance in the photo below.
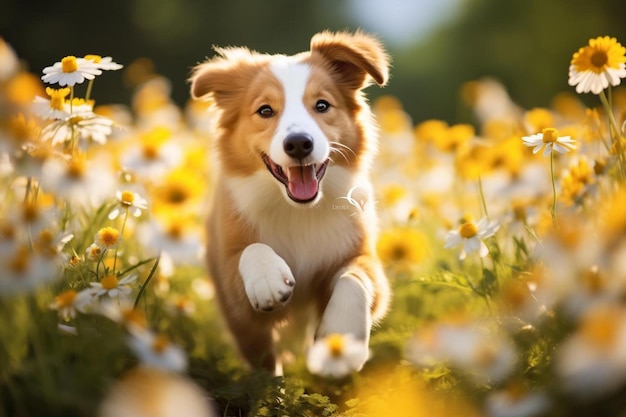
(402, 244)
(108, 238)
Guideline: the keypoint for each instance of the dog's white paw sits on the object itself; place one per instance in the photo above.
(267, 279)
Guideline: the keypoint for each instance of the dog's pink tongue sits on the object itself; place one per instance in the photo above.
(303, 183)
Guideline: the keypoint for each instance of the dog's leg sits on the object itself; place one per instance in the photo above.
(255, 341)
(268, 284)
(349, 309)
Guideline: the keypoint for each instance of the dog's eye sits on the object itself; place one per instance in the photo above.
(322, 106)
(265, 111)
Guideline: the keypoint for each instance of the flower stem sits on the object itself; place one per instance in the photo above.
(100, 262)
(89, 87)
(615, 132)
(482, 196)
(553, 210)
(147, 281)
(29, 186)
(122, 236)
(72, 127)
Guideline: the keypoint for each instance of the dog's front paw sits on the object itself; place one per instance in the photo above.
(267, 279)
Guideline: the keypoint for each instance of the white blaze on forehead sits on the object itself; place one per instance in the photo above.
(295, 117)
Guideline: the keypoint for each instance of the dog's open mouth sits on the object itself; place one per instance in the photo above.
(302, 182)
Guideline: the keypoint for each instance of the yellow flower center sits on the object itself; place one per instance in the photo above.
(600, 54)
(78, 101)
(19, 263)
(468, 230)
(486, 354)
(160, 344)
(593, 280)
(175, 193)
(134, 316)
(46, 237)
(601, 327)
(336, 344)
(57, 97)
(516, 295)
(30, 212)
(22, 129)
(94, 252)
(66, 299)
(76, 169)
(175, 230)
(109, 236)
(109, 282)
(69, 64)
(76, 119)
(550, 135)
(150, 151)
(599, 59)
(7, 231)
(74, 261)
(94, 58)
(45, 243)
(516, 391)
(127, 198)
(398, 252)
(519, 212)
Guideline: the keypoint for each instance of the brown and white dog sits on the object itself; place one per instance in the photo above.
(291, 250)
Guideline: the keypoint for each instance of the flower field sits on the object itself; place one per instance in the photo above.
(504, 239)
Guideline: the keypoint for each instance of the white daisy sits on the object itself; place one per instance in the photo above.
(53, 108)
(598, 65)
(172, 237)
(128, 201)
(471, 236)
(71, 70)
(516, 402)
(551, 140)
(592, 360)
(24, 270)
(337, 355)
(143, 392)
(108, 238)
(123, 312)
(111, 286)
(86, 183)
(486, 356)
(93, 252)
(156, 351)
(151, 158)
(32, 217)
(84, 126)
(69, 302)
(104, 63)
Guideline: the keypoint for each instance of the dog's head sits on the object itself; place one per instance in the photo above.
(293, 115)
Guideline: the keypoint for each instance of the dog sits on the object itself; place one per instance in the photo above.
(291, 251)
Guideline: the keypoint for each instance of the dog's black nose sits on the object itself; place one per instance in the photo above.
(298, 145)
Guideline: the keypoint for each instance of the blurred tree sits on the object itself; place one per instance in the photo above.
(527, 44)
(174, 34)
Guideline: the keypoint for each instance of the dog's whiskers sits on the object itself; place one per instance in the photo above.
(341, 149)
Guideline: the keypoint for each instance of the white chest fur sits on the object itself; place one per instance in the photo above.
(307, 238)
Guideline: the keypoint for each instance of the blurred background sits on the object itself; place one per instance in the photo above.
(436, 45)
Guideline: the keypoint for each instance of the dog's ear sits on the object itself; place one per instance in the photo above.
(223, 76)
(356, 58)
